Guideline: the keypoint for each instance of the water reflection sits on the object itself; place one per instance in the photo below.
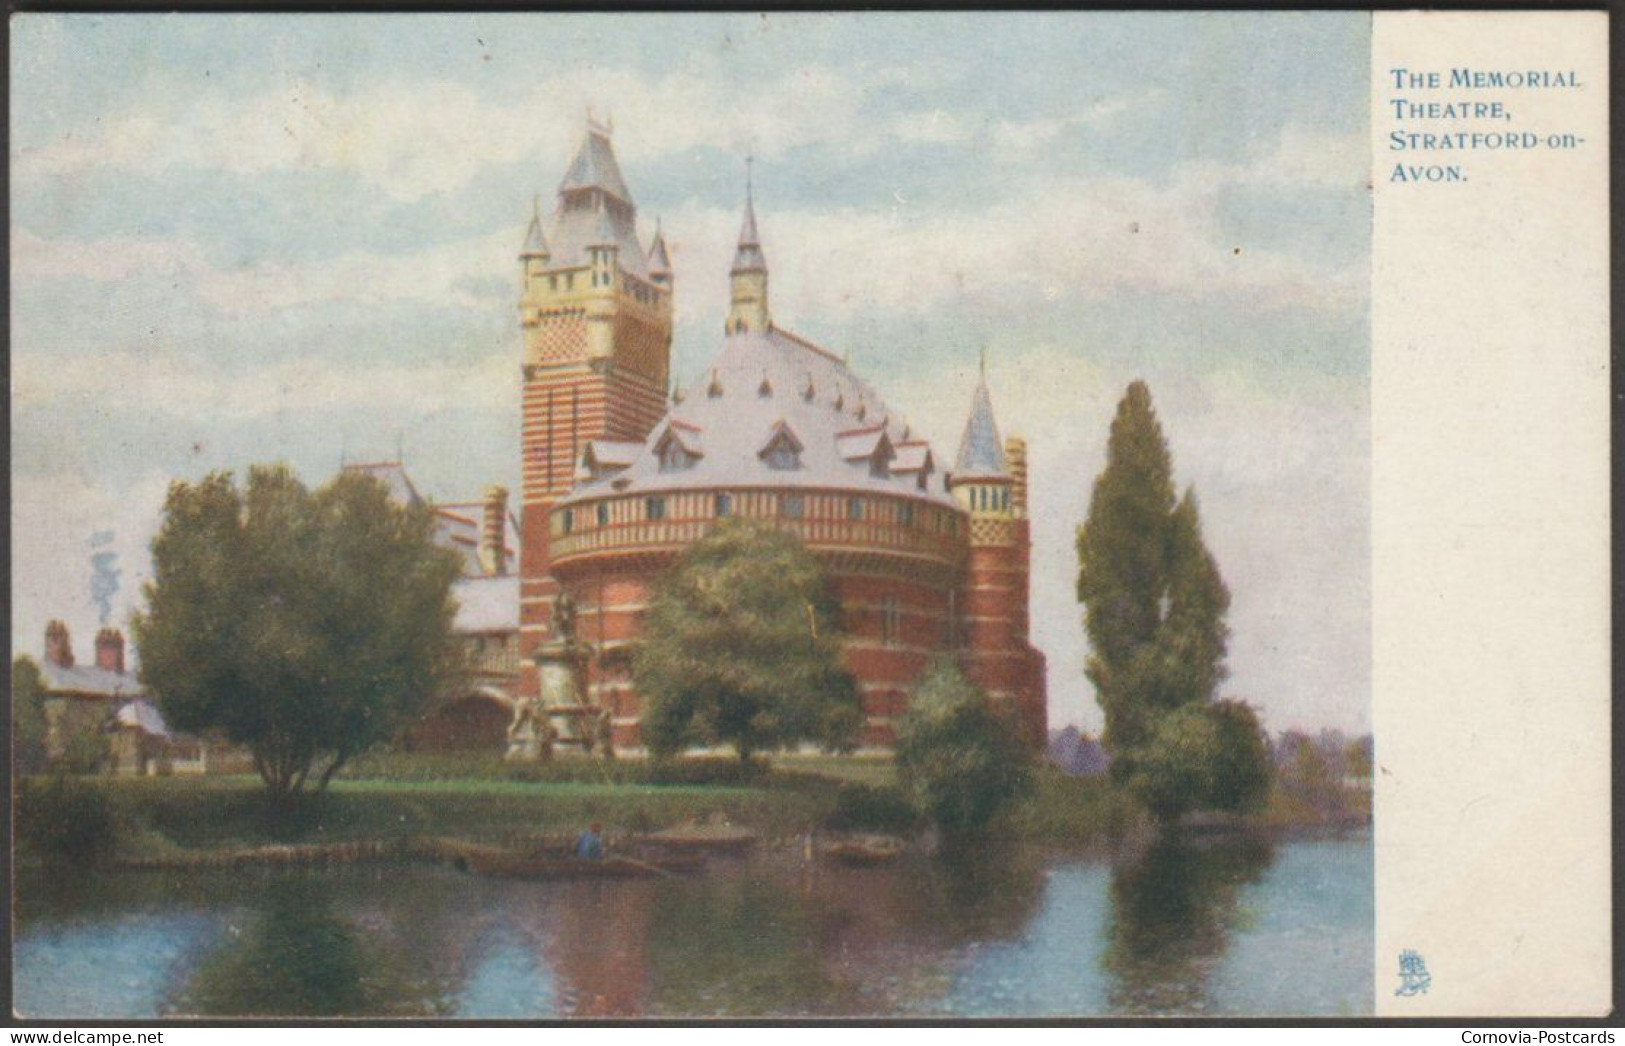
(1188, 926)
(293, 955)
(1173, 912)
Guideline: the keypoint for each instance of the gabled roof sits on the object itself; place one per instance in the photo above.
(458, 526)
(684, 435)
(864, 443)
(981, 452)
(781, 433)
(913, 456)
(595, 167)
(143, 715)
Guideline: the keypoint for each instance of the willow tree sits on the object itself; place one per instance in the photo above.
(740, 647)
(305, 625)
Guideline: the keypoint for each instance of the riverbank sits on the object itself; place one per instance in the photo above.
(395, 801)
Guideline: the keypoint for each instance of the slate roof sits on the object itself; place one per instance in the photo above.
(585, 219)
(981, 452)
(595, 167)
(144, 716)
(458, 525)
(758, 383)
(486, 604)
(748, 257)
(89, 681)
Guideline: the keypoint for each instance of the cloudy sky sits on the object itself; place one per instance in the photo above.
(241, 238)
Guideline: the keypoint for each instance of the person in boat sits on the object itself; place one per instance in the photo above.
(590, 844)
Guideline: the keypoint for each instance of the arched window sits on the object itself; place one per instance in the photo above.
(854, 508)
(724, 506)
(791, 506)
(654, 508)
(603, 513)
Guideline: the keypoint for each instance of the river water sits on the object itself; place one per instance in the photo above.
(1209, 926)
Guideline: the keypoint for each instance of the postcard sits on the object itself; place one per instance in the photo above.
(798, 515)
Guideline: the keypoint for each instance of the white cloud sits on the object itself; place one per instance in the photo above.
(196, 388)
(1015, 140)
(412, 140)
(1055, 238)
(440, 274)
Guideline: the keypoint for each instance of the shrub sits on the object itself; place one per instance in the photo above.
(866, 808)
(64, 819)
(961, 759)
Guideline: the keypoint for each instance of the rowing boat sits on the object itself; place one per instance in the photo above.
(508, 865)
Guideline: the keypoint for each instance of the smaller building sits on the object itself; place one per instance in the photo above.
(100, 712)
(476, 713)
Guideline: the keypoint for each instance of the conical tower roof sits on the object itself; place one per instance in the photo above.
(981, 451)
(749, 257)
(659, 260)
(535, 241)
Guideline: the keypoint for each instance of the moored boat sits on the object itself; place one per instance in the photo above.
(864, 852)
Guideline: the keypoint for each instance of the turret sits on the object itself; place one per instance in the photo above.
(748, 277)
(981, 479)
(534, 254)
(659, 260)
(989, 481)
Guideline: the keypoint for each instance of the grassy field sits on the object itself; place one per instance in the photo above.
(396, 797)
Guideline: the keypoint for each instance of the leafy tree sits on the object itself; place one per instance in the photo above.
(305, 625)
(28, 727)
(740, 647)
(1209, 757)
(962, 759)
(1154, 609)
(1154, 601)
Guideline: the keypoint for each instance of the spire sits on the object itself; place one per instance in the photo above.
(981, 452)
(535, 242)
(749, 257)
(659, 260)
(748, 310)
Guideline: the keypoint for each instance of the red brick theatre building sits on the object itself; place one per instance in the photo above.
(622, 469)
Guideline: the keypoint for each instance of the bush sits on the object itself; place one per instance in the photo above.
(865, 808)
(961, 759)
(66, 820)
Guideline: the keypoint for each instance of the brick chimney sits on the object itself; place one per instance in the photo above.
(1015, 456)
(494, 532)
(110, 650)
(58, 646)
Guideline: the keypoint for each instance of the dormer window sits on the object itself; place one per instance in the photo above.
(679, 448)
(782, 451)
(673, 458)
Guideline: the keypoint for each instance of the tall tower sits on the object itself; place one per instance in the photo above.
(596, 315)
(989, 481)
(747, 309)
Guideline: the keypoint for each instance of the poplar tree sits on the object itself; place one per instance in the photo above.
(1154, 610)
